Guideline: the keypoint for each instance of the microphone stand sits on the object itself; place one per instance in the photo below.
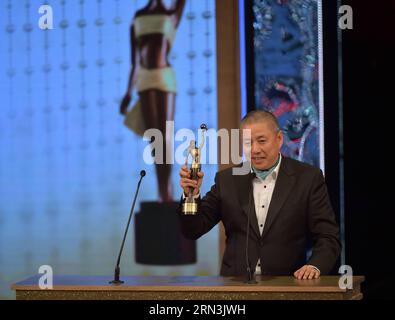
(117, 270)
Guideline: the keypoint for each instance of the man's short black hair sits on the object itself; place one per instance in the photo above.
(259, 115)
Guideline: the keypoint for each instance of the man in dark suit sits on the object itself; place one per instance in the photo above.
(288, 204)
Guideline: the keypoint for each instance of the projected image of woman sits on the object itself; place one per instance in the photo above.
(152, 34)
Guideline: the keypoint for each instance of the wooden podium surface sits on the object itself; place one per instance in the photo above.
(188, 287)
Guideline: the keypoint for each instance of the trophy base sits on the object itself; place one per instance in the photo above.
(158, 238)
(189, 209)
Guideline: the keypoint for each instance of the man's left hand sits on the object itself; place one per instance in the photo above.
(307, 272)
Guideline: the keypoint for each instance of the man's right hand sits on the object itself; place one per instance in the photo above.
(186, 183)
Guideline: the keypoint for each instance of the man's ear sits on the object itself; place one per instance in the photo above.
(281, 138)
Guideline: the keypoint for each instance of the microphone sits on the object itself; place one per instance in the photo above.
(117, 270)
(250, 273)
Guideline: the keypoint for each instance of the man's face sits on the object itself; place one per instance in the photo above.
(265, 144)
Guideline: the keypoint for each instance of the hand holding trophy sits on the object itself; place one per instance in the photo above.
(190, 204)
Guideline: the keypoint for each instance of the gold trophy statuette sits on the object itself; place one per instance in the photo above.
(190, 205)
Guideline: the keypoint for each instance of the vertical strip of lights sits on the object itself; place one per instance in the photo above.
(64, 24)
(67, 128)
(50, 129)
(46, 69)
(11, 114)
(207, 15)
(84, 200)
(27, 207)
(191, 56)
(242, 44)
(28, 28)
(100, 63)
(119, 138)
(28, 71)
(100, 102)
(82, 65)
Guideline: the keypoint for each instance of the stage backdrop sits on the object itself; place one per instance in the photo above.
(288, 71)
(68, 165)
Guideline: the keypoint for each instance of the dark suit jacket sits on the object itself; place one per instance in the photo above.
(299, 213)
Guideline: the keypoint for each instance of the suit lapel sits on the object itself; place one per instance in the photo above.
(284, 184)
(246, 199)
